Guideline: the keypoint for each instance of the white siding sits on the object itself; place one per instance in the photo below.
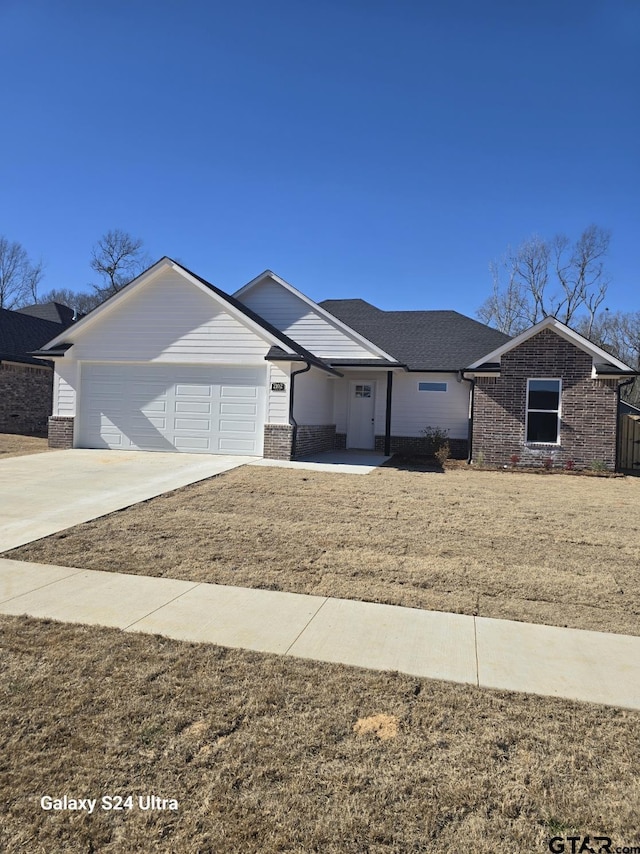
(414, 410)
(278, 401)
(64, 388)
(313, 398)
(170, 320)
(341, 399)
(299, 321)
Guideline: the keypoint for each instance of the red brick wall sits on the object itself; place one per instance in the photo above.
(26, 398)
(588, 413)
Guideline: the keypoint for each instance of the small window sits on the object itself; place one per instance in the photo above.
(363, 391)
(543, 411)
(432, 386)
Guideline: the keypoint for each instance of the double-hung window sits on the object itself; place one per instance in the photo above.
(543, 411)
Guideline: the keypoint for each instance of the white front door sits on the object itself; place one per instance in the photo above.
(361, 425)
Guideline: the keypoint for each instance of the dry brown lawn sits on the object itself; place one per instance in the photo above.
(271, 754)
(552, 549)
(17, 445)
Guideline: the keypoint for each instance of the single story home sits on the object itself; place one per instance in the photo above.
(26, 383)
(172, 363)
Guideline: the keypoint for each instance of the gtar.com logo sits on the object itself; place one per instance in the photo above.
(588, 845)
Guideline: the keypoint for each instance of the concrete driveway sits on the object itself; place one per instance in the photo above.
(44, 493)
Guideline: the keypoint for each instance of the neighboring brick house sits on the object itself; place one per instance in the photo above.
(26, 383)
(548, 396)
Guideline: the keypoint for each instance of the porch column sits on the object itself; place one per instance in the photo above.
(387, 423)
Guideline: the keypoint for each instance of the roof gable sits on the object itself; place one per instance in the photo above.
(167, 319)
(305, 321)
(598, 355)
(111, 306)
(240, 313)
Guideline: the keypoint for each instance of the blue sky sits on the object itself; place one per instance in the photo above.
(386, 149)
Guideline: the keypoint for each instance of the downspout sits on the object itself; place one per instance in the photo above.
(387, 423)
(292, 420)
(472, 384)
(620, 387)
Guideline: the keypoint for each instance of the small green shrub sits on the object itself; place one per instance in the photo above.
(598, 465)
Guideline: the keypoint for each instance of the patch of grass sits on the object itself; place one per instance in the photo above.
(557, 550)
(17, 445)
(271, 754)
(559, 827)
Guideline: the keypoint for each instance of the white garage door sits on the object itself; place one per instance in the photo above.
(212, 410)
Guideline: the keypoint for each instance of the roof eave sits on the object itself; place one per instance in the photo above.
(298, 357)
(614, 375)
(60, 350)
(27, 360)
(367, 363)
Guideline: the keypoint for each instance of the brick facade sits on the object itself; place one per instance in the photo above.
(277, 441)
(410, 445)
(312, 439)
(421, 446)
(588, 407)
(61, 432)
(26, 397)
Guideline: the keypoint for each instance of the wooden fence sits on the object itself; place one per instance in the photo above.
(629, 443)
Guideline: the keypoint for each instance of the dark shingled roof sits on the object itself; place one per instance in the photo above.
(54, 311)
(21, 334)
(423, 340)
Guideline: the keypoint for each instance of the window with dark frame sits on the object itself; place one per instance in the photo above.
(430, 386)
(543, 411)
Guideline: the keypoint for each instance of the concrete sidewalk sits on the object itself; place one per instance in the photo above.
(593, 667)
(334, 462)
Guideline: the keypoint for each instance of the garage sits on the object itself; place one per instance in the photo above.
(216, 409)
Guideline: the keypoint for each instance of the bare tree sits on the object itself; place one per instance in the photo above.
(19, 276)
(82, 302)
(554, 277)
(118, 258)
(506, 308)
(619, 334)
